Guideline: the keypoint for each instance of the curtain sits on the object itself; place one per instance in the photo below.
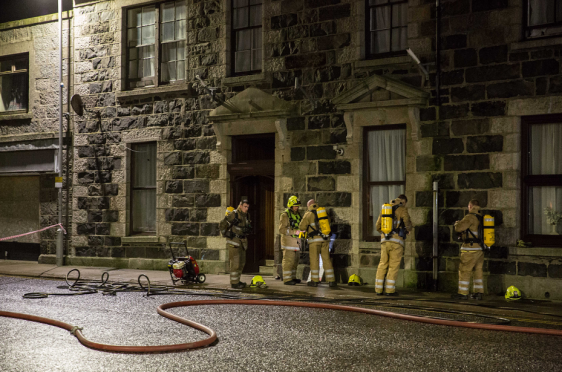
(387, 162)
(546, 158)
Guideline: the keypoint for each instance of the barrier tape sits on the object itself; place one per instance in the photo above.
(33, 232)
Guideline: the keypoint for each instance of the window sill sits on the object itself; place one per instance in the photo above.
(535, 251)
(383, 62)
(244, 79)
(153, 91)
(536, 43)
(140, 239)
(20, 116)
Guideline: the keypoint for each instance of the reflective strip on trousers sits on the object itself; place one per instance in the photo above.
(478, 286)
(314, 274)
(233, 243)
(316, 240)
(390, 284)
(383, 239)
(379, 285)
(287, 273)
(470, 249)
(329, 274)
(290, 248)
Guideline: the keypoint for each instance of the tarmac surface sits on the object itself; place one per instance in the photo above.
(264, 338)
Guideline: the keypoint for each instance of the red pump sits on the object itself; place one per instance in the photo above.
(184, 268)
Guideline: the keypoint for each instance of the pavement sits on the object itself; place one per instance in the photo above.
(531, 310)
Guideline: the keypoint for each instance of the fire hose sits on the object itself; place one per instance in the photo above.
(77, 331)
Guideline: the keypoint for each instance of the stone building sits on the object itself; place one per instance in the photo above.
(192, 105)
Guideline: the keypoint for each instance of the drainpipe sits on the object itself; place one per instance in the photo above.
(58, 182)
(435, 234)
(437, 54)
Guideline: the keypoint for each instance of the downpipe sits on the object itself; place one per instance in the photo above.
(435, 235)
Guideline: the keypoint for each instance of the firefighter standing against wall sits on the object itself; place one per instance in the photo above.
(288, 228)
(317, 246)
(392, 247)
(472, 256)
(235, 227)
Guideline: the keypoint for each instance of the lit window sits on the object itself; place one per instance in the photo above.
(13, 82)
(156, 34)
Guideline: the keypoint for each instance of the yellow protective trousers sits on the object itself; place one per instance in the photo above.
(315, 250)
(290, 263)
(471, 260)
(237, 257)
(391, 255)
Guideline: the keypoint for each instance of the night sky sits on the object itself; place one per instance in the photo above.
(12, 10)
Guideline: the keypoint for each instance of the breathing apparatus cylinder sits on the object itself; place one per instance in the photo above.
(386, 219)
(489, 231)
(323, 221)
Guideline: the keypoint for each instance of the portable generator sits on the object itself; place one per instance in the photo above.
(184, 268)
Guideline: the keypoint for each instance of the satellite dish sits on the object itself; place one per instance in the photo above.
(77, 104)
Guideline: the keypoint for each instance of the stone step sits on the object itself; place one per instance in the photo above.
(266, 270)
(269, 262)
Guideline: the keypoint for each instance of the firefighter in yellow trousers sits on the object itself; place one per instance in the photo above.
(288, 229)
(392, 247)
(472, 256)
(317, 246)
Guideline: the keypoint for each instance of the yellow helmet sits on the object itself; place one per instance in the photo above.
(257, 281)
(355, 280)
(293, 202)
(229, 210)
(513, 293)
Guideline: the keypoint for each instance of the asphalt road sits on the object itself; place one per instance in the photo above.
(251, 338)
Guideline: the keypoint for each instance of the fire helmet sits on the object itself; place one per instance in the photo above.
(257, 281)
(513, 293)
(293, 202)
(355, 280)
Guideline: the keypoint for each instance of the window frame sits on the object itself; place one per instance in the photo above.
(526, 28)
(367, 221)
(233, 41)
(132, 188)
(14, 57)
(528, 180)
(368, 52)
(157, 48)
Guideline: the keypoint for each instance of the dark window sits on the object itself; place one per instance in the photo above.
(246, 36)
(14, 77)
(541, 168)
(387, 27)
(384, 172)
(156, 36)
(143, 188)
(543, 18)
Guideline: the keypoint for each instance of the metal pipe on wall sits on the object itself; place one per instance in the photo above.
(58, 182)
(435, 234)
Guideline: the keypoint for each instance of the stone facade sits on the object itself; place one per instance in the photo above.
(469, 141)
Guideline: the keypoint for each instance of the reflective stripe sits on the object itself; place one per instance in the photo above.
(287, 272)
(233, 243)
(391, 281)
(389, 286)
(290, 248)
(383, 239)
(379, 280)
(479, 286)
(470, 249)
(477, 280)
(463, 288)
(329, 276)
(378, 286)
(313, 224)
(461, 282)
(330, 270)
(314, 240)
(314, 271)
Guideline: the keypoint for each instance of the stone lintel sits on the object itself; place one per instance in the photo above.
(380, 104)
(246, 79)
(16, 116)
(147, 92)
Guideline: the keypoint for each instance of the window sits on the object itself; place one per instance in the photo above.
(13, 83)
(156, 37)
(246, 36)
(387, 27)
(541, 178)
(543, 18)
(143, 188)
(384, 171)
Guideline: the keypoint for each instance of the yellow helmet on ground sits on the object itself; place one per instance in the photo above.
(355, 280)
(293, 202)
(513, 293)
(257, 281)
(229, 210)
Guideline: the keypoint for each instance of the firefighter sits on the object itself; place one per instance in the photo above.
(392, 247)
(472, 256)
(235, 227)
(288, 228)
(317, 246)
